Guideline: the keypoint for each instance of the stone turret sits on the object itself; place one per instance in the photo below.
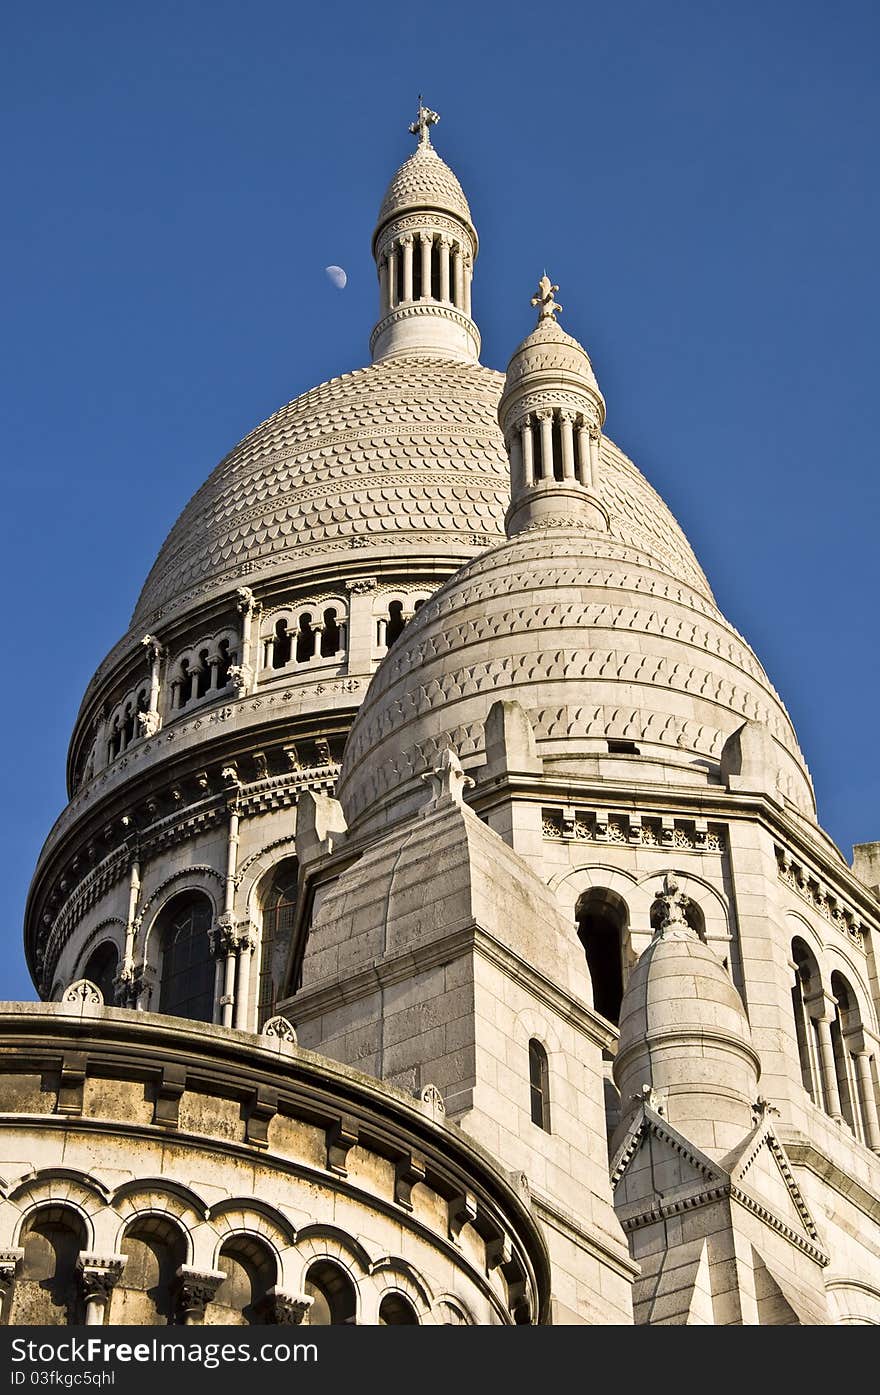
(684, 1035)
(425, 245)
(552, 413)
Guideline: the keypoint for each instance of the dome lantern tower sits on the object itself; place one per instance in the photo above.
(552, 413)
(425, 245)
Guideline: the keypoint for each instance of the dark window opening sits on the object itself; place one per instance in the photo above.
(396, 623)
(101, 968)
(154, 1250)
(183, 689)
(187, 988)
(281, 645)
(332, 1291)
(537, 451)
(601, 926)
(203, 681)
(397, 1311)
(556, 436)
(279, 911)
(417, 270)
(623, 748)
(539, 1085)
(250, 1269)
(435, 271)
(225, 663)
(305, 639)
(329, 635)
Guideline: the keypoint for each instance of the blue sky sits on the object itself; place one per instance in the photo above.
(700, 178)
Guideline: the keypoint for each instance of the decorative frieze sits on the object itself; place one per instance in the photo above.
(645, 830)
(811, 889)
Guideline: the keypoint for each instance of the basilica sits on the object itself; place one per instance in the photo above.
(439, 930)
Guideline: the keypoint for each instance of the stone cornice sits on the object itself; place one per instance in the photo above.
(802, 1152)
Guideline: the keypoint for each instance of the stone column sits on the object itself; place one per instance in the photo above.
(246, 945)
(528, 452)
(126, 973)
(584, 456)
(546, 420)
(458, 275)
(195, 1291)
(427, 242)
(517, 477)
(226, 922)
(392, 277)
(214, 665)
(594, 457)
(360, 625)
(867, 1099)
(828, 1068)
(242, 673)
(194, 683)
(406, 243)
(565, 430)
(99, 1275)
(318, 632)
(445, 244)
(468, 276)
(149, 722)
(383, 286)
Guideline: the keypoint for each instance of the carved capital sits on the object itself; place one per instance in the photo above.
(361, 586)
(196, 1289)
(99, 1274)
(241, 676)
(287, 1309)
(244, 599)
(9, 1262)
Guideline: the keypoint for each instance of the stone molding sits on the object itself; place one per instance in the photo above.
(814, 890)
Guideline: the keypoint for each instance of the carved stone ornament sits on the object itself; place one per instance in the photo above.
(287, 1309)
(196, 1290)
(673, 905)
(241, 677)
(82, 990)
(99, 1274)
(280, 1029)
(9, 1262)
(762, 1110)
(149, 723)
(543, 299)
(447, 779)
(651, 1099)
(432, 1097)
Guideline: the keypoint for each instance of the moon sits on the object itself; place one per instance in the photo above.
(336, 276)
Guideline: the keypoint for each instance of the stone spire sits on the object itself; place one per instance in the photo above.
(552, 413)
(425, 245)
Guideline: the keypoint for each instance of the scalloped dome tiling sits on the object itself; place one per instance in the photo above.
(424, 181)
(406, 452)
(596, 640)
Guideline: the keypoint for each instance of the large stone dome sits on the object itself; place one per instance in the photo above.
(407, 451)
(606, 639)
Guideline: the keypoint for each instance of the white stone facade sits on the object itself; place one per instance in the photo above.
(429, 737)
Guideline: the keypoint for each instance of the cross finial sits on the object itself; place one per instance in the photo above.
(421, 127)
(547, 306)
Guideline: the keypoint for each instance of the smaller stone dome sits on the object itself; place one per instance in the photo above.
(548, 349)
(424, 181)
(684, 1033)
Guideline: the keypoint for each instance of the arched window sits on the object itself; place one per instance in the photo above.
(396, 623)
(539, 1085)
(147, 1291)
(224, 662)
(187, 961)
(282, 645)
(279, 909)
(48, 1291)
(806, 987)
(203, 679)
(127, 725)
(101, 969)
(397, 1311)
(242, 1300)
(602, 920)
(305, 639)
(335, 1300)
(330, 636)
